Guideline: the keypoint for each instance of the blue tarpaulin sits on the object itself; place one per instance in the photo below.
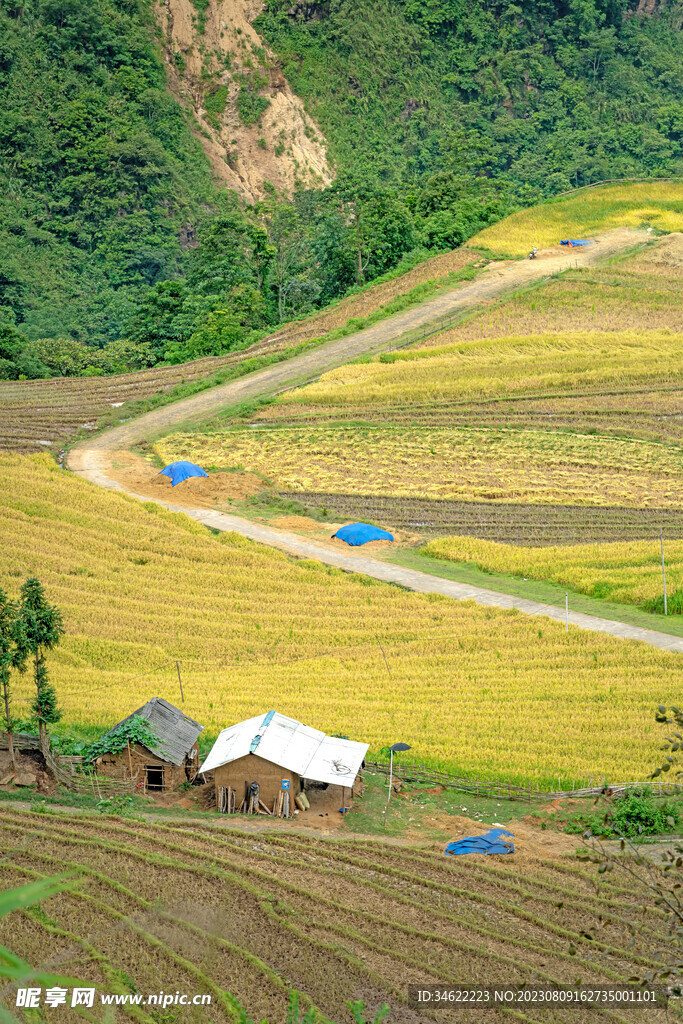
(360, 533)
(490, 842)
(576, 241)
(179, 471)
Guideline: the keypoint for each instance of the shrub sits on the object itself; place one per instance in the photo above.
(250, 105)
(632, 815)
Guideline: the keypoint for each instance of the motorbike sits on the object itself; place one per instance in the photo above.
(532, 254)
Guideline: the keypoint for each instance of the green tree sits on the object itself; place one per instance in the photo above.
(165, 319)
(353, 197)
(232, 250)
(290, 269)
(65, 357)
(16, 361)
(41, 629)
(12, 656)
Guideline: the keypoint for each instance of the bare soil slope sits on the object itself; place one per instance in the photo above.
(220, 68)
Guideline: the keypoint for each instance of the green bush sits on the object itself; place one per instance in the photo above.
(122, 805)
(216, 101)
(251, 106)
(634, 814)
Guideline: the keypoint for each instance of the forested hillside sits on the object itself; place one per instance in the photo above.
(119, 247)
(100, 172)
(549, 95)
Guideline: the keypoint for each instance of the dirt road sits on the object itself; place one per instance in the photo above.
(497, 280)
(92, 459)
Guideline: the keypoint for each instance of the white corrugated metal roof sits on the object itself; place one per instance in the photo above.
(296, 747)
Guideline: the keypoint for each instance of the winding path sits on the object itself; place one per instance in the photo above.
(92, 458)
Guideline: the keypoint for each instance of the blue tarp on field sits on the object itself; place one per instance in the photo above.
(576, 241)
(490, 842)
(179, 471)
(360, 533)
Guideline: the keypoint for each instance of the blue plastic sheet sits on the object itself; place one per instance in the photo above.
(490, 842)
(179, 471)
(576, 241)
(356, 534)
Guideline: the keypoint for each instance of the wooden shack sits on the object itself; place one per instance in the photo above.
(172, 761)
(279, 755)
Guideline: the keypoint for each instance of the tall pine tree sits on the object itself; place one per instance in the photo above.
(12, 655)
(41, 629)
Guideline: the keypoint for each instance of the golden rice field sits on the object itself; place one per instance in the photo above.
(625, 571)
(468, 464)
(585, 214)
(482, 690)
(497, 367)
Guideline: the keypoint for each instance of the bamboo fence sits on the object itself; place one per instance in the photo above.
(68, 772)
(496, 789)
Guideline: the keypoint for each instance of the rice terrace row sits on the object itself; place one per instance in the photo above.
(251, 917)
(535, 442)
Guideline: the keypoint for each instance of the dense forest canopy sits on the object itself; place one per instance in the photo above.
(117, 248)
(546, 94)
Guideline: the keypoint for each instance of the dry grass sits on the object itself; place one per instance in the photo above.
(629, 295)
(464, 464)
(235, 915)
(140, 587)
(586, 214)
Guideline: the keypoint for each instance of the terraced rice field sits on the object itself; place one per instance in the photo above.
(625, 572)
(463, 464)
(625, 382)
(251, 917)
(585, 214)
(43, 415)
(140, 587)
(537, 525)
(638, 292)
(515, 366)
(47, 414)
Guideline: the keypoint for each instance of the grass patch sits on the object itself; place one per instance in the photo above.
(417, 813)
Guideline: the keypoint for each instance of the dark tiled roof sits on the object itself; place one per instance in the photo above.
(177, 733)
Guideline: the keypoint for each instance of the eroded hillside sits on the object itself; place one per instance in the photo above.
(252, 126)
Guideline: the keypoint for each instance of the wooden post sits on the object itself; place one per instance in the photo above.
(182, 695)
(661, 541)
(130, 760)
(8, 722)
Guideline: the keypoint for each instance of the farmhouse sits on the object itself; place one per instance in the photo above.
(174, 759)
(265, 763)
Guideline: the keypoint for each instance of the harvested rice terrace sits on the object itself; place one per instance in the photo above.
(37, 415)
(41, 415)
(653, 413)
(530, 525)
(255, 915)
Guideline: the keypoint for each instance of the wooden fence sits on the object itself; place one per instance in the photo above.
(68, 771)
(501, 790)
(22, 741)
